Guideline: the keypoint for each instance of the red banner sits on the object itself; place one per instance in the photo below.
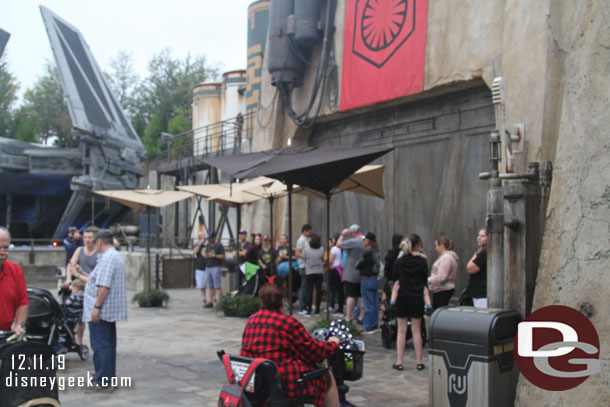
(384, 50)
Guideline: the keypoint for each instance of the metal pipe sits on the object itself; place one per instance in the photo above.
(328, 257)
(289, 187)
(148, 249)
(495, 228)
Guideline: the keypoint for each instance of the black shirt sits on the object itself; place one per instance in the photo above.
(412, 274)
(283, 251)
(267, 257)
(215, 250)
(477, 284)
(200, 260)
(369, 264)
(239, 247)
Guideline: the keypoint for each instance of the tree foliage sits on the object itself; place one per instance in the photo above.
(8, 96)
(124, 81)
(160, 102)
(43, 104)
(166, 93)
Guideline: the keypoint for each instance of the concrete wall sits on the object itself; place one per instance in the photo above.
(576, 247)
(46, 260)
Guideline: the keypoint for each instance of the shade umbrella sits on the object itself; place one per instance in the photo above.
(319, 169)
(253, 190)
(145, 200)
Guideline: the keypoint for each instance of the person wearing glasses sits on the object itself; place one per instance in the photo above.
(13, 295)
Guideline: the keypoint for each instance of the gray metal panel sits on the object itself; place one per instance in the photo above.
(4, 36)
(91, 104)
(431, 179)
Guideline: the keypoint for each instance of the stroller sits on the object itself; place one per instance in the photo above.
(48, 323)
(389, 328)
(31, 361)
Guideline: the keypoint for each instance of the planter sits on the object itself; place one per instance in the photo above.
(152, 298)
(239, 305)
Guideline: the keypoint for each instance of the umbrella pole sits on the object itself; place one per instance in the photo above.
(289, 187)
(238, 212)
(271, 219)
(147, 285)
(328, 256)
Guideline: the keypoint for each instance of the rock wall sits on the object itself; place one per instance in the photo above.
(576, 248)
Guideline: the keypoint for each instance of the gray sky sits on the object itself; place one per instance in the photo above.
(214, 28)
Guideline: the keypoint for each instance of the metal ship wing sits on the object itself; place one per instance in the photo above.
(93, 108)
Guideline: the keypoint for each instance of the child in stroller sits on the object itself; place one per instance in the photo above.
(53, 323)
(73, 307)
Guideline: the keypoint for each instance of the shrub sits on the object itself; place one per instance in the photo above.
(239, 305)
(152, 298)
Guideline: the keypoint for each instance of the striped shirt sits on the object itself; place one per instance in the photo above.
(109, 272)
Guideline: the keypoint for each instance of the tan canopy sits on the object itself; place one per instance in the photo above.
(145, 200)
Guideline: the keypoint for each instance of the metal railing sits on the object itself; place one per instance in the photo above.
(226, 137)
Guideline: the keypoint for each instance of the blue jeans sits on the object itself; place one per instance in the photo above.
(370, 296)
(103, 343)
(303, 290)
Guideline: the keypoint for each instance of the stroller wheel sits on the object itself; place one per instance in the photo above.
(386, 336)
(83, 352)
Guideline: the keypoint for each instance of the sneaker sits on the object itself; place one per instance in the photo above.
(208, 305)
(316, 314)
(369, 332)
(302, 312)
(307, 315)
(338, 314)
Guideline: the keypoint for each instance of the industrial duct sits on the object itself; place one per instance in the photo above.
(295, 28)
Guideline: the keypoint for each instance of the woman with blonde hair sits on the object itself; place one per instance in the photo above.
(411, 273)
(442, 278)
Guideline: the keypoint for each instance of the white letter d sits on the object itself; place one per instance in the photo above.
(526, 343)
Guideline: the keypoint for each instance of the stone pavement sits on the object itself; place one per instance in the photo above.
(170, 356)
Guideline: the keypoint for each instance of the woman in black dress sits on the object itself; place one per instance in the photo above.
(410, 273)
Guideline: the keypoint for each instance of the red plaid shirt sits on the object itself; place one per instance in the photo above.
(284, 340)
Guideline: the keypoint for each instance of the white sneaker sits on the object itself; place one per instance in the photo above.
(302, 312)
(307, 315)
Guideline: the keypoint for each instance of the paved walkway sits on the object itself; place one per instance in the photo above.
(170, 356)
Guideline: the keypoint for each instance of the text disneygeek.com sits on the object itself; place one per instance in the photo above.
(15, 379)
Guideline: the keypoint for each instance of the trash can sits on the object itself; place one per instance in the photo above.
(471, 357)
(227, 280)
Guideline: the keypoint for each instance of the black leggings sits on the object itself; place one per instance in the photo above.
(314, 280)
(336, 290)
(441, 298)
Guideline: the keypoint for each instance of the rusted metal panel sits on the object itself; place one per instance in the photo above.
(431, 179)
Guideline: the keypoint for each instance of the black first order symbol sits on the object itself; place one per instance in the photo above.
(381, 28)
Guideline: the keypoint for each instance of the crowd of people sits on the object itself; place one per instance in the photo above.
(356, 270)
(95, 272)
(95, 279)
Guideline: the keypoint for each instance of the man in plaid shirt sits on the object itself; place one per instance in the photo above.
(105, 303)
(272, 335)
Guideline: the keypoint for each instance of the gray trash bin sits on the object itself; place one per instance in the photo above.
(471, 357)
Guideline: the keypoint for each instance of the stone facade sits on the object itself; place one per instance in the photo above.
(555, 59)
(576, 246)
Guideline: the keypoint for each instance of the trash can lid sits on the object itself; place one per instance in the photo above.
(474, 326)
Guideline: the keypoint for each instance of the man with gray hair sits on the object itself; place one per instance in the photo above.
(105, 304)
(13, 294)
(351, 275)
